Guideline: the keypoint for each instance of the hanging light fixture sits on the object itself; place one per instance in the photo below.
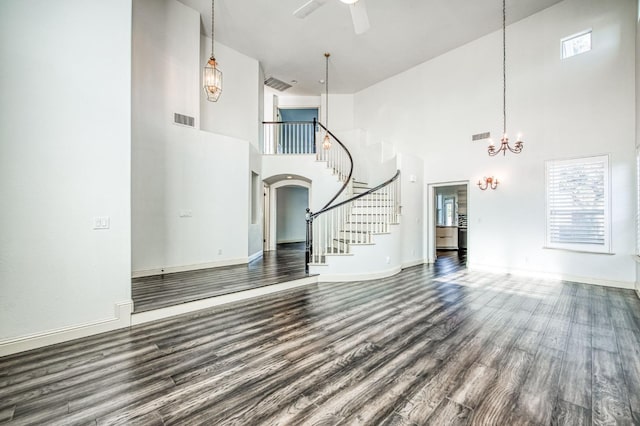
(504, 142)
(212, 76)
(326, 142)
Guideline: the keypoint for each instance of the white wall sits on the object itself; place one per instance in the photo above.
(412, 213)
(290, 217)
(341, 113)
(64, 159)
(238, 111)
(255, 229)
(577, 107)
(191, 188)
(638, 123)
(324, 184)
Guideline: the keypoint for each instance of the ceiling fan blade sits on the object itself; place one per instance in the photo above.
(308, 8)
(359, 17)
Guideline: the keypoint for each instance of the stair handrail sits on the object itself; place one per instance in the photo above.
(348, 179)
(311, 216)
(355, 197)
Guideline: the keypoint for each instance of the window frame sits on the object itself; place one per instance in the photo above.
(605, 248)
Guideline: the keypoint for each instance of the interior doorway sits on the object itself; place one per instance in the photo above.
(286, 198)
(448, 220)
(290, 114)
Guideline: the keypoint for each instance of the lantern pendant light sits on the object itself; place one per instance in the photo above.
(212, 76)
(326, 142)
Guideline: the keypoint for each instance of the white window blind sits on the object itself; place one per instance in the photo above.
(578, 213)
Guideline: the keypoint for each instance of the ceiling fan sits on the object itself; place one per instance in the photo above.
(358, 12)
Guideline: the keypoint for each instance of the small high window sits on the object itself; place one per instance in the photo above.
(576, 44)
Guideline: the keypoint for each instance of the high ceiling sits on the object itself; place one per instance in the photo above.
(403, 33)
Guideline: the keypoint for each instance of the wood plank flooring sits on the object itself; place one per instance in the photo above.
(433, 345)
(160, 291)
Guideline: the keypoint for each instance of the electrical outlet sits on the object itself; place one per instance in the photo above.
(101, 222)
(219, 251)
(186, 213)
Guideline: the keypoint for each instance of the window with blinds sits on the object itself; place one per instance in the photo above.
(578, 213)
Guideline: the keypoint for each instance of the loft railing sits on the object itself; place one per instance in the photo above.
(352, 221)
(289, 137)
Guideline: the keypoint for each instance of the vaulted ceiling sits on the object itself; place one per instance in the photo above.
(403, 33)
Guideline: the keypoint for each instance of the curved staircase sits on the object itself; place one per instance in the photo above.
(357, 222)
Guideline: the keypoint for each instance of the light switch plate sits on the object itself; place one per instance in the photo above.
(101, 222)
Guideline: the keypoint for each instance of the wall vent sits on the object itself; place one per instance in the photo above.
(184, 120)
(279, 85)
(481, 136)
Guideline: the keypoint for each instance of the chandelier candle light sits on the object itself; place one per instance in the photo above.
(212, 76)
(326, 142)
(504, 142)
(489, 182)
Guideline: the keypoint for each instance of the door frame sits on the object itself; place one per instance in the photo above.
(266, 190)
(430, 213)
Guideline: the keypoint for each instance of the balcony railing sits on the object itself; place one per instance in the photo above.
(289, 137)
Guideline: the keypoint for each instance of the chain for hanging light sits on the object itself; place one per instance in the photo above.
(504, 141)
(326, 142)
(212, 76)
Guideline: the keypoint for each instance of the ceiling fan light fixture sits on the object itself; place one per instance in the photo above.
(349, 1)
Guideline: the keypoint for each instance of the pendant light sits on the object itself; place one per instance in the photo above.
(504, 142)
(326, 142)
(212, 76)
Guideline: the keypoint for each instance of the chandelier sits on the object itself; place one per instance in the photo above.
(212, 76)
(504, 142)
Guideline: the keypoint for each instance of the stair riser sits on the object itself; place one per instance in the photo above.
(355, 237)
(377, 210)
(374, 227)
(365, 202)
(368, 218)
(361, 225)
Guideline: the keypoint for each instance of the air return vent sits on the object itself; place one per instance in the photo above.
(279, 85)
(480, 136)
(183, 120)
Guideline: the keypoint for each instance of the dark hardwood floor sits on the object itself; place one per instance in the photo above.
(159, 291)
(433, 345)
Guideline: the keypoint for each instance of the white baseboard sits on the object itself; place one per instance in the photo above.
(185, 268)
(333, 278)
(255, 256)
(412, 263)
(121, 319)
(552, 276)
(430, 261)
(290, 241)
(183, 308)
